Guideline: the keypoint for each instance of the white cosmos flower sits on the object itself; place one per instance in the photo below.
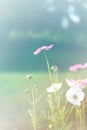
(54, 87)
(75, 96)
(81, 84)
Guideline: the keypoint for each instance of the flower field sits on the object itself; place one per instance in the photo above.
(53, 100)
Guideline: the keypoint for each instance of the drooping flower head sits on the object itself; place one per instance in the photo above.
(46, 48)
(54, 87)
(76, 67)
(81, 84)
(75, 96)
(54, 68)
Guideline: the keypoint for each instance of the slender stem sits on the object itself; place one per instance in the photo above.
(83, 113)
(69, 114)
(56, 73)
(65, 105)
(78, 119)
(34, 120)
(54, 76)
(52, 107)
(48, 66)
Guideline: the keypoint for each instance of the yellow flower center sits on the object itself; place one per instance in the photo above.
(75, 96)
(79, 80)
(55, 88)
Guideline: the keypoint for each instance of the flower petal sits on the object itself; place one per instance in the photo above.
(74, 68)
(46, 48)
(54, 87)
(71, 93)
(49, 47)
(81, 84)
(37, 51)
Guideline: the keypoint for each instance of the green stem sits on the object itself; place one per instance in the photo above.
(65, 106)
(78, 118)
(34, 120)
(68, 115)
(51, 105)
(56, 76)
(83, 113)
(48, 66)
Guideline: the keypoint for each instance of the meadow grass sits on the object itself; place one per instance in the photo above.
(14, 101)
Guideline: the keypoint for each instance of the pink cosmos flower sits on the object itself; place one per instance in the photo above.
(75, 67)
(77, 83)
(46, 48)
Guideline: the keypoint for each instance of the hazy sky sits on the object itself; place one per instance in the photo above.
(25, 24)
(27, 13)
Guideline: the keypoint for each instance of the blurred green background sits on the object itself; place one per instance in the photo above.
(26, 25)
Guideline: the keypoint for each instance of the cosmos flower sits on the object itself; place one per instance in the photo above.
(75, 96)
(81, 84)
(54, 87)
(74, 68)
(46, 48)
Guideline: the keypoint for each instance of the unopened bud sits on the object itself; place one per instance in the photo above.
(29, 76)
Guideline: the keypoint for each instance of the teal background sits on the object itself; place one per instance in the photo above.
(26, 25)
